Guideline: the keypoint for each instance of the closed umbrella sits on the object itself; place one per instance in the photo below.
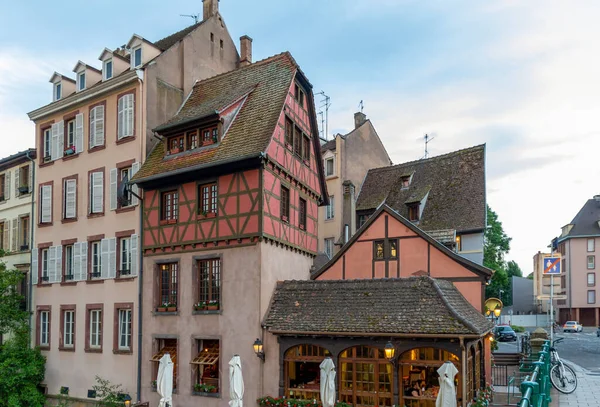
(236, 382)
(327, 382)
(164, 381)
(447, 394)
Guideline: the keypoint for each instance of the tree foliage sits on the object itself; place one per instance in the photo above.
(496, 245)
(111, 395)
(12, 318)
(513, 269)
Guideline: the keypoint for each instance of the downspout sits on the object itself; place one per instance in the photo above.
(463, 380)
(30, 288)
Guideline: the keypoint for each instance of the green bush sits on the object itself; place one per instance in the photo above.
(517, 328)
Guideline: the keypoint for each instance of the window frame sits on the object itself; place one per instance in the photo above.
(89, 310)
(593, 295)
(70, 130)
(169, 215)
(302, 208)
(44, 257)
(126, 307)
(81, 79)
(593, 245)
(288, 132)
(68, 262)
(326, 164)
(57, 91)
(120, 172)
(65, 180)
(2, 187)
(47, 143)
(105, 65)
(134, 56)
(208, 199)
(172, 287)
(284, 203)
(24, 177)
(199, 361)
(305, 149)
(329, 241)
(330, 208)
(591, 265)
(209, 283)
(40, 311)
(92, 275)
(127, 132)
(24, 233)
(91, 193)
(377, 245)
(413, 212)
(593, 283)
(64, 327)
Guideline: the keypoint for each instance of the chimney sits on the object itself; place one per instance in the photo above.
(348, 209)
(211, 7)
(245, 50)
(597, 198)
(359, 119)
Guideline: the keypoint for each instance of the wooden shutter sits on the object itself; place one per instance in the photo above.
(77, 276)
(70, 198)
(97, 192)
(104, 258)
(134, 188)
(17, 176)
(30, 178)
(54, 141)
(79, 133)
(114, 174)
(60, 149)
(84, 262)
(133, 246)
(6, 242)
(34, 266)
(58, 267)
(7, 185)
(52, 264)
(99, 126)
(46, 204)
(15, 235)
(112, 257)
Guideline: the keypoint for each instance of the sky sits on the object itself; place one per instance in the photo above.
(519, 76)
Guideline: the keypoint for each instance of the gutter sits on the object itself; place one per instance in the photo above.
(32, 222)
(376, 334)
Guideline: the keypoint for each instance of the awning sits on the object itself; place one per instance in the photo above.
(171, 350)
(206, 357)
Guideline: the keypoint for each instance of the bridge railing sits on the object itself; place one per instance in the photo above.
(536, 386)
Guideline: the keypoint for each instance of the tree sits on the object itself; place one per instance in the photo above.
(513, 269)
(496, 245)
(111, 395)
(12, 318)
(530, 276)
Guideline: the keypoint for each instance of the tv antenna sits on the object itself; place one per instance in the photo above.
(427, 139)
(361, 106)
(326, 103)
(194, 16)
(321, 114)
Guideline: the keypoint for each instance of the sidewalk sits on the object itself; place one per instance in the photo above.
(586, 394)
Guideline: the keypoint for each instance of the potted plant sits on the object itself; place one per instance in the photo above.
(212, 305)
(162, 307)
(153, 384)
(200, 306)
(70, 150)
(171, 307)
(205, 388)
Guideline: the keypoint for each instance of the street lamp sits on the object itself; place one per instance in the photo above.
(390, 351)
(127, 400)
(258, 349)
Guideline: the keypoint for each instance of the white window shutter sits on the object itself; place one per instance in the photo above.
(70, 198)
(92, 139)
(79, 133)
(84, 263)
(34, 266)
(112, 257)
(130, 115)
(6, 242)
(17, 176)
(52, 264)
(97, 192)
(30, 178)
(58, 275)
(99, 126)
(134, 188)
(54, 142)
(46, 203)
(60, 150)
(7, 185)
(120, 117)
(15, 233)
(113, 188)
(134, 242)
(104, 258)
(77, 276)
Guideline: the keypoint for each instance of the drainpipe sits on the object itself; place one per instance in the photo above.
(31, 223)
(140, 246)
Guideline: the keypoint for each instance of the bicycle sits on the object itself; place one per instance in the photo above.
(562, 376)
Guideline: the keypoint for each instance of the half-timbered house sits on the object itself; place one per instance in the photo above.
(230, 202)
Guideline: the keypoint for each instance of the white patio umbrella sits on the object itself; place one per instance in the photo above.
(447, 394)
(236, 382)
(164, 381)
(327, 382)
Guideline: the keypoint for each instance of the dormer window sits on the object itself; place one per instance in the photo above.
(405, 182)
(137, 57)
(81, 81)
(193, 139)
(57, 91)
(299, 95)
(108, 69)
(413, 212)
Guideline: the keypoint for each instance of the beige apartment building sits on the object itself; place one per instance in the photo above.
(542, 284)
(579, 246)
(91, 139)
(346, 160)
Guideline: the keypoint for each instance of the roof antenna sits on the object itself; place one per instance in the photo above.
(322, 124)
(194, 16)
(427, 139)
(326, 103)
(361, 106)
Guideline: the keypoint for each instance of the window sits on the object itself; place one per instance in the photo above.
(124, 177)
(137, 57)
(96, 126)
(68, 330)
(3, 244)
(393, 249)
(206, 366)
(176, 144)
(68, 256)
(95, 329)
(379, 250)
(170, 206)
(285, 204)
(165, 346)
(299, 95)
(57, 91)
(124, 334)
(301, 363)
(591, 279)
(413, 212)
(591, 262)
(168, 285)
(591, 297)
(221, 44)
(591, 243)
(24, 233)
(24, 187)
(329, 169)
(81, 80)
(329, 247)
(362, 219)
(47, 135)
(302, 214)
(208, 199)
(209, 284)
(305, 148)
(46, 204)
(2, 187)
(45, 275)
(108, 69)
(125, 256)
(44, 331)
(96, 192)
(95, 260)
(70, 199)
(193, 140)
(289, 132)
(297, 141)
(330, 209)
(125, 116)
(405, 182)
(70, 136)
(385, 249)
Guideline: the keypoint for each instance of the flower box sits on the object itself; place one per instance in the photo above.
(161, 309)
(24, 189)
(171, 309)
(70, 150)
(212, 307)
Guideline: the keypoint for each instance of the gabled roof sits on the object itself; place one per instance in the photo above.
(399, 307)
(470, 265)
(330, 145)
(587, 221)
(167, 42)
(456, 184)
(83, 64)
(142, 39)
(56, 77)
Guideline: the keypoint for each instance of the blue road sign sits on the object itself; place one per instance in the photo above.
(552, 265)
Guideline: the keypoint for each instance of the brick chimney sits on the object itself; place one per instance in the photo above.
(211, 7)
(359, 119)
(245, 50)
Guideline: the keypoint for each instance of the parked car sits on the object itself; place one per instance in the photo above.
(572, 326)
(504, 333)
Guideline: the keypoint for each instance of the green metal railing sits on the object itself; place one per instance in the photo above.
(536, 386)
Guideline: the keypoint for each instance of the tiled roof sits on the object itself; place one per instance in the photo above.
(266, 84)
(329, 145)
(167, 42)
(17, 158)
(456, 185)
(443, 236)
(586, 222)
(415, 305)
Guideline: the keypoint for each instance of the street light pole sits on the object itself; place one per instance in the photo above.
(552, 299)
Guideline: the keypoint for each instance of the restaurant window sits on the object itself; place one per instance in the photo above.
(209, 284)
(591, 262)
(413, 212)
(302, 371)
(285, 204)
(306, 148)
(170, 206)
(330, 208)
(591, 245)
(168, 281)
(365, 377)
(289, 132)
(302, 214)
(591, 279)
(176, 144)
(193, 140)
(24, 233)
(205, 365)
(208, 199)
(329, 247)
(165, 346)
(418, 371)
(95, 259)
(378, 249)
(591, 297)
(68, 256)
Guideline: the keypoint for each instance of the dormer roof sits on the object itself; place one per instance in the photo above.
(137, 37)
(80, 65)
(56, 77)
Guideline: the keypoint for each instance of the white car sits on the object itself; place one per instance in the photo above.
(572, 326)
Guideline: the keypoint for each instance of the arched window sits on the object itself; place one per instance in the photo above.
(302, 372)
(365, 377)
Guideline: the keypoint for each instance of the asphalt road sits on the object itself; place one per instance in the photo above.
(581, 348)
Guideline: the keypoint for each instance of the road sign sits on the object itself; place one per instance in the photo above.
(552, 265)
